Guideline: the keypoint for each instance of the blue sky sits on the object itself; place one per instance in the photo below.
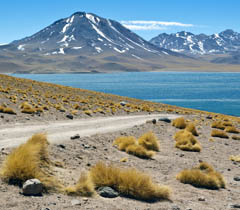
(148, 18)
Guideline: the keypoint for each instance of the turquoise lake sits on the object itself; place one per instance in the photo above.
(214, 92)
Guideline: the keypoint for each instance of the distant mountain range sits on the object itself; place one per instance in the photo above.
(189, 43)
(85, 42)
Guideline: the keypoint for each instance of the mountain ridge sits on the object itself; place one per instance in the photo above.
(227, 41)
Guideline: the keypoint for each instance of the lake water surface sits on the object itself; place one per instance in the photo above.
(214, 92)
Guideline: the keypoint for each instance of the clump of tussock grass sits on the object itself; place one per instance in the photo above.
(218, 125)
(142, 148)
(149, 141)
(231, 129)
(8, 110)
(235, 158)
(84, 187)
(235, 137)
(191, 128)
(179, 123)
(128, 182)
(219, 133)
(30, 160)
(139, 151)
(124, 141)
(186, 141)
(203, 176)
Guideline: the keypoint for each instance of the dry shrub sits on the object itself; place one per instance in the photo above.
(234, 137)
(235, 158)
(179, 123)
(218, 125)
(191, 128)
(227, 124)
(139, 151)
(186, 141)
(220, 134)
(203, 176)
(30, 160)
(8, 110)
(124, 141)
(149, 141)
(231, 129)
(84, 187)
(128, 182)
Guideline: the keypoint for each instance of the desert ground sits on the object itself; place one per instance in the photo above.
(62, 112)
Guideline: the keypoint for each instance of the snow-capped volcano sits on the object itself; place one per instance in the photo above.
(186, 42)
(88, 33)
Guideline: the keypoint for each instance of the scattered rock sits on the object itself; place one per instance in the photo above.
(123, 103)
(32, 187)
(236, 206)
(76, 136)
(86, 146)
(85, 199)
(107, 192)
(2, 116)
(236, 178)
(154, 121)
(181, 155)
(75, 202)
(209, 117)
(69, 116)
(61, 146)
(164, 119)
(175, 207)
(201, 199)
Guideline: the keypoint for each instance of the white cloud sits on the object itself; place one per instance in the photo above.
(151, 25)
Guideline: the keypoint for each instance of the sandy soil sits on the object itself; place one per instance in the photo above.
(80, 154)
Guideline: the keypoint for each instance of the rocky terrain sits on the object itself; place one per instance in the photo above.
(75, 155)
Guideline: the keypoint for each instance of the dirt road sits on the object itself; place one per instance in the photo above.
(15, 134)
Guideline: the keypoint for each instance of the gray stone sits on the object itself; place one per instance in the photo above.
(201, 199)
(175, 207)
(75, 202)
(107, 192)
(76, 136)
(69, 116)
(164, 119)
(123, 103)
(154, 121)
(32, 187)
(235, 206)
(236, 178)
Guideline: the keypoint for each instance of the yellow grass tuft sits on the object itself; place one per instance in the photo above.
(8, 110)
(149, 141)
(128, 182)
(218, 125)
(191, 128)
(179, 123)
(84, 187)
(231, 129)
(220, 134)
(203, 176)
(124, 141)
(29, 160)
(186, 141)
(139, 151)
(235, 158)
(235, 137)
(123, 160)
